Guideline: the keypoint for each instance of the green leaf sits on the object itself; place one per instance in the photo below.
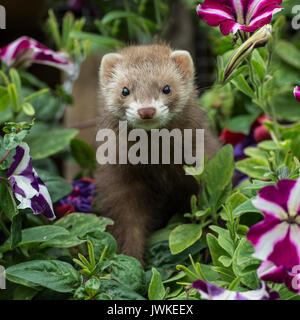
(52, 274)
(97, 40)
(54, 28)
(242, 85)
(242, 260)
(36, 94)
(267, 145)
(37, 235)
(15, 231)
(16, 80)
(11, 140)
(226, 261)
(80, 224)
(257, 153)
(49, 143)
(28, 109)
(57, 186)
(241, 123)
(84, 154)
(100, 240)
(246, 207)
(217, 252)
(13, 95)
(4, 99)
(24, 293)
(184, 236)
(215, 249)
(92, 286)
(113, 15)
(286, 98)
(224, 239)
(156, 289)
(7, 204)
(63, 241)
(116, 291)
(288, 53)
(128, 272)
(249, 167)
(259, 69)
(217, 178)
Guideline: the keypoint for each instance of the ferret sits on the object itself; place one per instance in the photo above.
(150, 87)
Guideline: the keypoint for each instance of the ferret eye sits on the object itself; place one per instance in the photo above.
(166, 90)
(125, 92)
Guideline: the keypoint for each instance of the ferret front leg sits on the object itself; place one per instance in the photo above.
(124, 204)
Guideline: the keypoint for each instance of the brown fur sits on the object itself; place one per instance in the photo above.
(141, 198)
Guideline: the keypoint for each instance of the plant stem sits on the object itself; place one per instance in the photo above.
(274, 118)
(5, 156)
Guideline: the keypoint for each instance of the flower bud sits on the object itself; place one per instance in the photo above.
(259, 39)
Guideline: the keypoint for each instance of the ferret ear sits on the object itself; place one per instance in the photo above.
(108, 64)
(184, 62)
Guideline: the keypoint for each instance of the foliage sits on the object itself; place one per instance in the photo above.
(75, 257)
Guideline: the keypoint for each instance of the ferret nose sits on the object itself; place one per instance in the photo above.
(147, 113)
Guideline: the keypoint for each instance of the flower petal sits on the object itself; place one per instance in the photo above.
(294, 199)
(54, 59)
(25, 51)
(265, 236)
(259, 7)
(42, 203)
(213, 13)
(270, 209)
(297, 93)
(26, 184)
(278, 195)
(21, 160)
(210, 291)
(269, 272)
(10, 52)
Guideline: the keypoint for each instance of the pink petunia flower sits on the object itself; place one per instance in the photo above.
(297, 93)
(25, 51)
(268, 271)
(277, 238)
(234, 15)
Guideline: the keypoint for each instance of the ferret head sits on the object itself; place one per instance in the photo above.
(147, 85)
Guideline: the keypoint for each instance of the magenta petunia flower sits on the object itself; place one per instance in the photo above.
(27, 186)
(277, 238)
(25, 51)
(297, 93)
(234, 15)
(210, 291)
(279, 274)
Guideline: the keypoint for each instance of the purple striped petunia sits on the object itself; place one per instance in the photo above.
(234, 15)
(297, 93)
(81, 198)
(27, 186)
(25, 51)
(277, 238)
(210, 291)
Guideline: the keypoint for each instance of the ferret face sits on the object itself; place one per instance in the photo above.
(147, 86)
